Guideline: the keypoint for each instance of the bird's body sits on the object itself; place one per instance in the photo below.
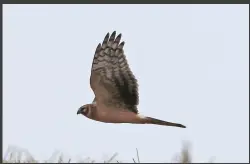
(111, 115)
(115, 87)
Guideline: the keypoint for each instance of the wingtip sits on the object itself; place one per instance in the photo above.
(119, 36)
(113, 33)
(107, 35)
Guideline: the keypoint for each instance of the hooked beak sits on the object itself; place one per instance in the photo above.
(79, 110)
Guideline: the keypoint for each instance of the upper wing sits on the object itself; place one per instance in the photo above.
(111, 78)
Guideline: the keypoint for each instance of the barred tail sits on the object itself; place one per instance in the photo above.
(150, 120)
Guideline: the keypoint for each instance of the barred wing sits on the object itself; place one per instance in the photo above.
(111, 78)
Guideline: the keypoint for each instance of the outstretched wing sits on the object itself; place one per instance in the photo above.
(111, 78)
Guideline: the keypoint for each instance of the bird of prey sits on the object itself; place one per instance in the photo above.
(115, 87)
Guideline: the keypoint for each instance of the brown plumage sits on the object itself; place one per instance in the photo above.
(115, 87)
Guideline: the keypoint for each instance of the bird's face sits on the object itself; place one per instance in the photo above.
(83, 110)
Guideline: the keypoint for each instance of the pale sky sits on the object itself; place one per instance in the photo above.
(191, 62)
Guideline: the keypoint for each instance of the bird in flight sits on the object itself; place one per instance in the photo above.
(115, 87)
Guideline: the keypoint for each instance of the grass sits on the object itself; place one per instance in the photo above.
(17, 156)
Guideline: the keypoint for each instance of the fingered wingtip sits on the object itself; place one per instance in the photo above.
(113, 33)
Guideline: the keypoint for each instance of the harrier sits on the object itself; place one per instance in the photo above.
(115, 87)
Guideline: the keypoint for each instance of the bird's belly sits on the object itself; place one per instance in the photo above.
(117, 116)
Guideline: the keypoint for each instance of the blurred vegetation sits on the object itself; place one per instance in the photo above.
(14, 155)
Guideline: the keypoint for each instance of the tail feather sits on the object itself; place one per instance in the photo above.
(150, 120)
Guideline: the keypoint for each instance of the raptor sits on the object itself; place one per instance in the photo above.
(115, 87)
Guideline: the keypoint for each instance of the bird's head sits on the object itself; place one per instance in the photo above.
(83, 110)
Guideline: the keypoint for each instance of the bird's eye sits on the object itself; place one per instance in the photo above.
(85, 110)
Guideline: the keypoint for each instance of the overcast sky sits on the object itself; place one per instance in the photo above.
(191, 62)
